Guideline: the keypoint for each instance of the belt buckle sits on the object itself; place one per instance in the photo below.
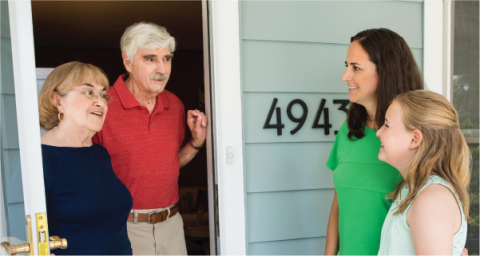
(152, 213)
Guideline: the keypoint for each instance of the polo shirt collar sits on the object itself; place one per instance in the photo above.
(128, 101)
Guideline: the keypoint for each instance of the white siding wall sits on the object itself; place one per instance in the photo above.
(296, 50)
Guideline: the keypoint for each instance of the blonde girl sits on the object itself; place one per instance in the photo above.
(422, 139)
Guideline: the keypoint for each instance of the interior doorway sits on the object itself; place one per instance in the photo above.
(90, 31)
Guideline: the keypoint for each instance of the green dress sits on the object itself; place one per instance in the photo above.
(362, 183)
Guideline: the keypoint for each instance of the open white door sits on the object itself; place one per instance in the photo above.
(21, 151)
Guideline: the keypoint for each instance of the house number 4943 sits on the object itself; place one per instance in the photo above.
(301, 120)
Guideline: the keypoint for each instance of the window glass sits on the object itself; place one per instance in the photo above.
(466, 97)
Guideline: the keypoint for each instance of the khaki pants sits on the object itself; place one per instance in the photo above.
(163, 238)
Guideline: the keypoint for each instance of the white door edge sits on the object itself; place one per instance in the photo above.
(3, 218)
(209, 146)
(227, 104)
(23, 56)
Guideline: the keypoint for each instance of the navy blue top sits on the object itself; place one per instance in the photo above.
(86, 203)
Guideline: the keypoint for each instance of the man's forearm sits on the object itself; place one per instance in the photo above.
(186, 154)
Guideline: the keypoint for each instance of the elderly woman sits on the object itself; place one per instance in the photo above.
(86, 203)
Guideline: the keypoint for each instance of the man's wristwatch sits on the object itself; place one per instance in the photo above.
(193, 146)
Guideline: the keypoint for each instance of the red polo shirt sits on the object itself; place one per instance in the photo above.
(144, 146)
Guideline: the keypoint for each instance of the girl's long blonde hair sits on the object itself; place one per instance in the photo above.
(443, 150)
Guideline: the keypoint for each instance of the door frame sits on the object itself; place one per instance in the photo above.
(437, 46)
(23, 57)
(231, 221)
(3, 217)
(447, 55)
(211, 177)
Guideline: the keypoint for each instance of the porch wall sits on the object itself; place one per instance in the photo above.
(296, 50)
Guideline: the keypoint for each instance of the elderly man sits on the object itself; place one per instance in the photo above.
(143, 132)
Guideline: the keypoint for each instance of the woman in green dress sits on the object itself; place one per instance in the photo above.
(379, 66)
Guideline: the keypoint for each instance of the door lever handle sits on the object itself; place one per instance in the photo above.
(14, 249)
(54, 243)
(57, 243)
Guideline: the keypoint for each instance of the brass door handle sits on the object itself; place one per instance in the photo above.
(57, 243)
(54, 243)
(14, 249)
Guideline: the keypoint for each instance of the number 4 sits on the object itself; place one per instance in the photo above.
(279, 126)
(326, 124)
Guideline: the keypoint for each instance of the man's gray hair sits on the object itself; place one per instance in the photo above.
(145, 35)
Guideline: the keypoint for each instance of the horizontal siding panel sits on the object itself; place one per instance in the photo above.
(9, 122)
(288, 215)
(5, 23)
(329, 21)
(6, 67)
(307, 246)
(270, 66)
(418, 55)
(257, 105)
(16, 219)
(293, 67)
(13, 175)
(416, 1)
(287, 166)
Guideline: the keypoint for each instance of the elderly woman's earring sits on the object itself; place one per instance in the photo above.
(60, 116)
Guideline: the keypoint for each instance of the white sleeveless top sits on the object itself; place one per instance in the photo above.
(396, 235)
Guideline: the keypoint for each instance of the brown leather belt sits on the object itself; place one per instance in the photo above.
(153, 217)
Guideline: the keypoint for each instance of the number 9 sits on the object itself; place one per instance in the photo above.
(300, 120)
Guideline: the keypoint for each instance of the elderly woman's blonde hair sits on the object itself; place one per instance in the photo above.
(61, 80)
(443, 150)
(145, 35)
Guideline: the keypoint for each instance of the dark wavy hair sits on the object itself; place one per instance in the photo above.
(397, 73)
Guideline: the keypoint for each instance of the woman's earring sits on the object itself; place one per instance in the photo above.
(60, 116)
